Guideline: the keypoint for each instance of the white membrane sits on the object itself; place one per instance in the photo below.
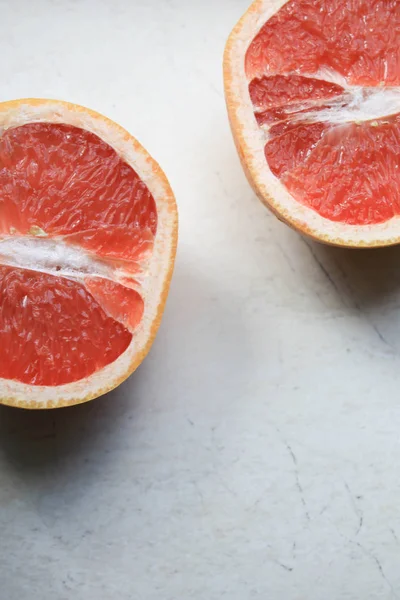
(51, 256)
(361, 104)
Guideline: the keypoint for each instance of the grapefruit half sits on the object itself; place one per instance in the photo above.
(88, 234)
(313, 95)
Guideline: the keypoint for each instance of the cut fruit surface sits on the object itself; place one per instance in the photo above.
(52, 329)
(313, 96)
(88, 229)
(63, 180)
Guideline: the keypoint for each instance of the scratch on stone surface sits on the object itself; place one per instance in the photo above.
(298, 484)
(381, 336)
(283, 566)
(255, 504)
(217, 473)
(190, 421)
(357, 511)
(292, 454)
(226, 486)
(286, 257)
(323, 268)
(394, 535)
(379, 566)
(323, 509)
(223, 186)
(199, 493)
(359, 308)
(297, 474)
(360, 525)
(216, 90)
(370, 555)
(201, 73)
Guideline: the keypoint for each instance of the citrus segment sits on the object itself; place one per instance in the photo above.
(63, 180)
(362, 162)
(288, 150)
(277, 98)
(283, 90)
(121, 303)
(356, 39)
(116, 242)
(52, 330)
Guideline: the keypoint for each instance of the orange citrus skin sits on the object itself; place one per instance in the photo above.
(246, 153)
(170, 202)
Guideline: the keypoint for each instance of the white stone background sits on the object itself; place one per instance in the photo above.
(256, 452)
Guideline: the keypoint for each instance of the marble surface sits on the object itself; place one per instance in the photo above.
(256, 452)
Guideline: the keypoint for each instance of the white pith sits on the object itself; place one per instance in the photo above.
(51, 256)
(361, 104)
(57, 257)
(47, 256)
(355, 105)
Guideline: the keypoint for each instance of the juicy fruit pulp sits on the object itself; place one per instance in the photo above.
(82, 223)
(324, 81)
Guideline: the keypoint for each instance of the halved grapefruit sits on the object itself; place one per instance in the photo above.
(88, 233)
(313, 96)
